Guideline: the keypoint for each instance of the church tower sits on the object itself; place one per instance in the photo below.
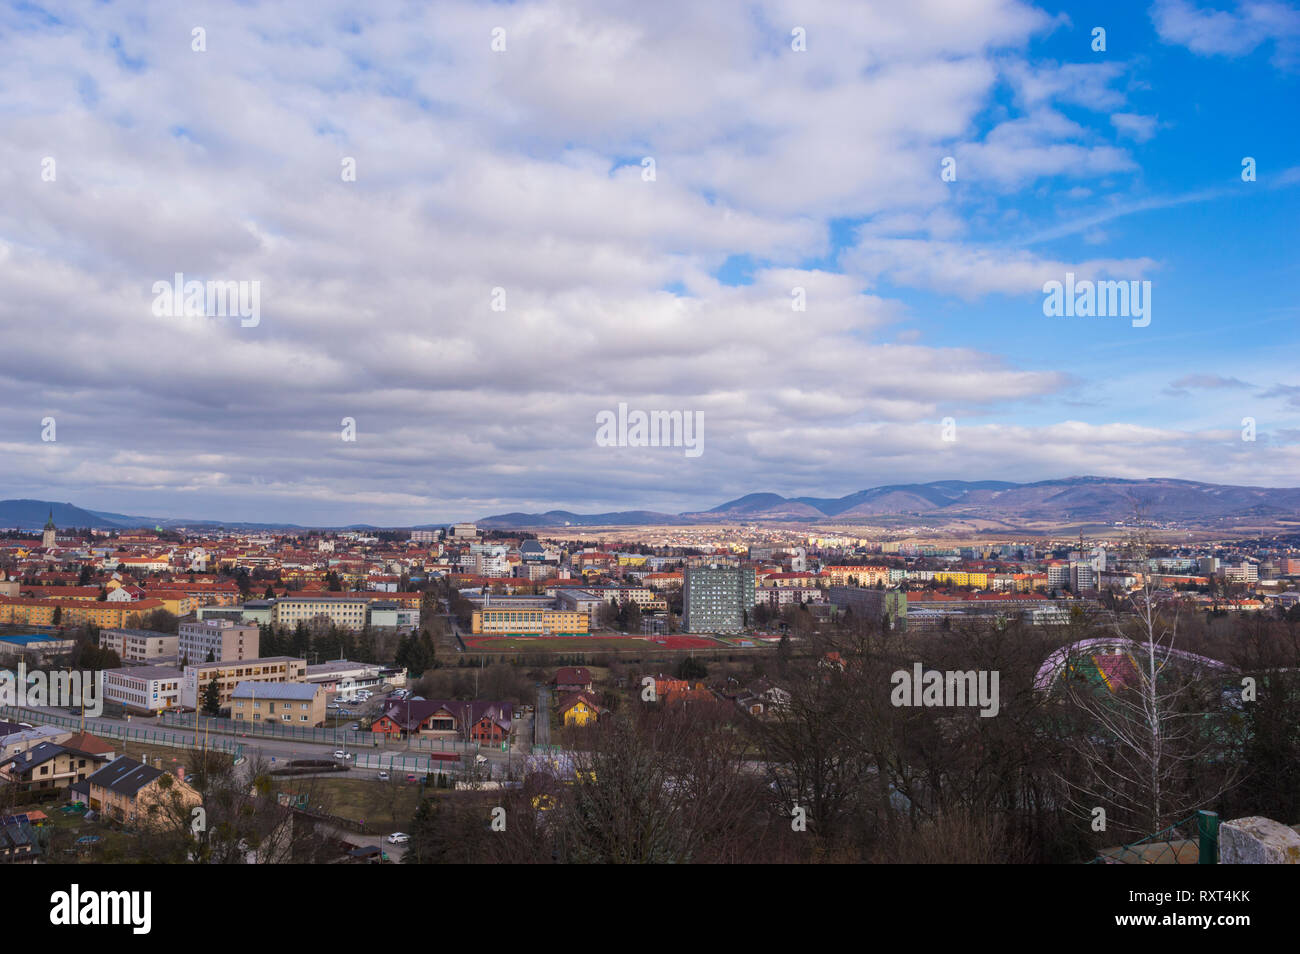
(48, 539)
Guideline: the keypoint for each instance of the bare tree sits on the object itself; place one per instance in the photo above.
(1146, 739)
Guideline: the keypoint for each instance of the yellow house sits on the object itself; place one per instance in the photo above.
(578, 710)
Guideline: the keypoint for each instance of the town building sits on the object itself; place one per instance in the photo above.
(230, 674)
(290, 703)
(717, 599)
(221, 639)
(139, 645)
(144, 689)
(139, 795)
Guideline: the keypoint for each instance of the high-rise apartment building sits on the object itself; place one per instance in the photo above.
(716, 599)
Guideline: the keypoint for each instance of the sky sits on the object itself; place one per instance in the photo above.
(474, 227)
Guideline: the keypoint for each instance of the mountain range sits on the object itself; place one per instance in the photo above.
(1068, 500)
(988, 503)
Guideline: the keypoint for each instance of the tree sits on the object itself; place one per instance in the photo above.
(692, 669)
(1150, 750)
(212, 698)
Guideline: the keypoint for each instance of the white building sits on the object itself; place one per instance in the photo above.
(148, 689)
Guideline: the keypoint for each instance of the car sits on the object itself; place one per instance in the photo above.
(398, 838)
(480, 760)
(355, 727)
(412, 778)
(340, 754)
(383, 776)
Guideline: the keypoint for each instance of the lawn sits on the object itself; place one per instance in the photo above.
(383, 805)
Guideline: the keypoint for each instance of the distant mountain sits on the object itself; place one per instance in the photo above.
(956, 502)
(1069, 500)
(32, 514)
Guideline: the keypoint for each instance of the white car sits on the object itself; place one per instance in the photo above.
(398, 838)
(383, 776)
(340, 754)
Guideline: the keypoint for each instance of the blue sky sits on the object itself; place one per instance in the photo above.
(521, 169)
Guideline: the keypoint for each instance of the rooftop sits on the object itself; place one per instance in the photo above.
(296, 691)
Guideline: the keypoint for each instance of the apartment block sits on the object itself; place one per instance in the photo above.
(138, 645)
(224, 639)
(343, 611)
(717, 599)
(870, 603)
(229, 675)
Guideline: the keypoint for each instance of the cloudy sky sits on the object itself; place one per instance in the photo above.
(504, 147)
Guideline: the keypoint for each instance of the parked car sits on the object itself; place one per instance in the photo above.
(383, 776)
(398, 838)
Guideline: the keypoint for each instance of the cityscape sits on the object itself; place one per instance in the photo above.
(576, 432)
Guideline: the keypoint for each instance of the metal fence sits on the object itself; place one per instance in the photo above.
(269, 730)
(127, 733)
(309, 734)
(1194, 840)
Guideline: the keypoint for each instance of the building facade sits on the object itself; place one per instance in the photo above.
(717, 599)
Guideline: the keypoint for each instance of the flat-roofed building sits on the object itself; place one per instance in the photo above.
(146, 689)
(341, 675)
(291, 703)
(520, 621)
(138, 645)
(343, 611)
(386, 615)
(716, 599)
(230, 674)
(870, 603)
(224, 639)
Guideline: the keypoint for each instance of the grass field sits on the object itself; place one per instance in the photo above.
(379, 804)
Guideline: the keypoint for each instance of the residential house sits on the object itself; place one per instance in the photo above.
(580, 709)
(572, 679)
(481, 721)
(48, 765)
(133, 794)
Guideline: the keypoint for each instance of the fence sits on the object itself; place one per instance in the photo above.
(127, 733)
(1194, 840)
(269, 730)
(320, 736)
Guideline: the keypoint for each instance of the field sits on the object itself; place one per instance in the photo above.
(588, 644)
(382, 805)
